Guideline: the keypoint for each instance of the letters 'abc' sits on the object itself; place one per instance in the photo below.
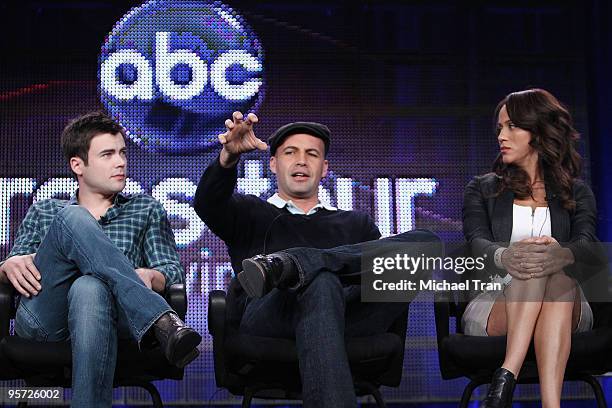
(165, 61)
(172, 71)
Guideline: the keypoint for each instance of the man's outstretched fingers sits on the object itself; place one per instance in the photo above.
(260, 144)
(251, 119)
(237, 117)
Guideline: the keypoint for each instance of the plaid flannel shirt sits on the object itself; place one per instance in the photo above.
(137, 224)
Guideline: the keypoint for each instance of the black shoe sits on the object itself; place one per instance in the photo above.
(500, 390)
(261, 273)
(178, 341)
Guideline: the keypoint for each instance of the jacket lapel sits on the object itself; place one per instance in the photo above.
(501, 219)
(559, 220)
(559, 216)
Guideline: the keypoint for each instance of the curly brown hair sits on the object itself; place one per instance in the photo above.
(552, 136)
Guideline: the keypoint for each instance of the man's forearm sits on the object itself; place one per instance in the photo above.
(215, 187)
(227, 159)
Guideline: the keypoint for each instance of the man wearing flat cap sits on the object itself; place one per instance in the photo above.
(300, 293)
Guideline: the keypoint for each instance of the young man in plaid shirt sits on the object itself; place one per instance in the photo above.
(91, 269)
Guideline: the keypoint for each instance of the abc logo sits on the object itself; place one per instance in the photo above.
(172, 71)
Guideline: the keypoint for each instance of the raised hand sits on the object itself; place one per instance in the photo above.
(239, 138)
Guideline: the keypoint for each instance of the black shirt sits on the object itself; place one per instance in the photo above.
(247, 223)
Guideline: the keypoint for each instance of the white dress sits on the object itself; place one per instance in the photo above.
(526, 223)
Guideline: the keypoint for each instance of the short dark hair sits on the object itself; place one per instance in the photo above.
(77, 135)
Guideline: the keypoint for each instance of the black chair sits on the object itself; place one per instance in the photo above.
(477, 357)
(265, 367)
(49, 364)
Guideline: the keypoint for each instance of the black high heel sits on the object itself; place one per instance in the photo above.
(501, 390)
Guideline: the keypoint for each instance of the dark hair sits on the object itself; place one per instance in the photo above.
(77, 135)
(552, 136)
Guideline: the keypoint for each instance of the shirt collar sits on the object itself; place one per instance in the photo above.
(277, 201)
(119, 199)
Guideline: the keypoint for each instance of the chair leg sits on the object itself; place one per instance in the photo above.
(596, 386)
(378, 397)
(467, 394)
(247, 398)
(155, 397)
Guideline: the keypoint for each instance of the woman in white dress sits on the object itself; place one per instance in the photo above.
(534, 201)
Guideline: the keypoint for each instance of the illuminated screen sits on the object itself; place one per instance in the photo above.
(408, 92)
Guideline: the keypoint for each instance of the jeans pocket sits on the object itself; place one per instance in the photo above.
(27, 325)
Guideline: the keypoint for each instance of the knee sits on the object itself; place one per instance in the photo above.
(424, 235)
(325, 285)
(86, 292)
(421, 241)
(560, 287)
(526, 291)
(417, 235)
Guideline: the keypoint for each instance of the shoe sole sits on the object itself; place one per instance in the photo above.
(252, 279)
(188, 358)
(185, 349)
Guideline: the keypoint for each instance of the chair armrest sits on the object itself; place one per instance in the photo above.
(217, 307)
(216, 313)
(442, 311)
(176, 296)
(444, 308)
(7, 308)
(393, 376)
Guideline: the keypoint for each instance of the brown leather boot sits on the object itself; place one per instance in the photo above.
(178, 341)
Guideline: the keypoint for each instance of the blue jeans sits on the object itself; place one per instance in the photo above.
(322, 311)
(90, 293)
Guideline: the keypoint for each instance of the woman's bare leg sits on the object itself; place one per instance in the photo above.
(553, 335)
(516, 315)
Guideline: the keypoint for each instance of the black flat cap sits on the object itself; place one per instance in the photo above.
(309, 128)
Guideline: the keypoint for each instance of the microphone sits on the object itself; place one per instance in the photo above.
(285, 212)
